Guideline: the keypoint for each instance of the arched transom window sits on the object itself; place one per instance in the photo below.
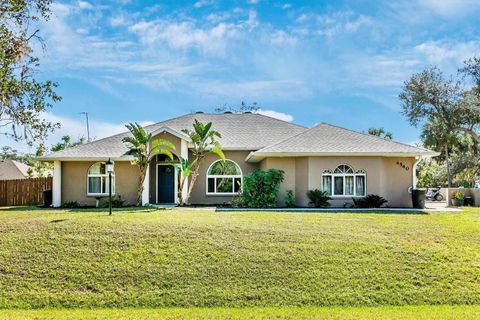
(344, 181)
(224, 177)
(97, 180)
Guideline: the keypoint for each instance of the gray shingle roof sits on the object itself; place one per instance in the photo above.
(246, 131)
(329, 139)
(11, 169)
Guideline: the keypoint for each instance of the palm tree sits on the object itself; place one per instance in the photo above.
(143, 148)
(204, 141)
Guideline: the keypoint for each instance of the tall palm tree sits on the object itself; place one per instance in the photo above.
(143, 148)
(204, 141)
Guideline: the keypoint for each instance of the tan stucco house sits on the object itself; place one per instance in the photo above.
(340, 161)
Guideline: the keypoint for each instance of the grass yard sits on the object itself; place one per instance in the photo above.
(170, 260)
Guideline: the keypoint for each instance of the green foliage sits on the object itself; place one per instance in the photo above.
(143, 149)
(318, 198)
(70, 204)
(458, 195)
(241, 109)
(66, 142)
(260, 188)
(204, 141)
(380, 132)
(23, 99)
(290, 199)
(431, 174)
(117, 202)
(272, 259)
(370, 201)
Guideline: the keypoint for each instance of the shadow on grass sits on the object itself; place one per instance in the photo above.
(82, 209)
(320, 211)
(114, 210)
(20, 208)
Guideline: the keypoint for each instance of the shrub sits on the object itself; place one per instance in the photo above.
(290, 199)
(458, 195)
(318, 198)
(70, 204)
(370, 201)
(260, 188)
(117, 202)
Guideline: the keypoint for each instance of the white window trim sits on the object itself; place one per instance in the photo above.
(99, 175)
(216, 176)
(343, 175)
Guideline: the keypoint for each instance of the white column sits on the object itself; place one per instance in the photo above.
(57, 184)
(414, 172)
(184, 155)
(146, 187)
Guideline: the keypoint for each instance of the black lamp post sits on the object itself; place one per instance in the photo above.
(109, 166)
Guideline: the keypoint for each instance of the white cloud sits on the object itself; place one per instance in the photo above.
(286, 6)
(85, 5)
(203, 3)
(75, 128)
(277, 115)
(439, 52)
(253, 1)
(451, 7)
(118, 20)
(332, 24)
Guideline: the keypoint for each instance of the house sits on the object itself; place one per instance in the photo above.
(340, 161)
(12, 170)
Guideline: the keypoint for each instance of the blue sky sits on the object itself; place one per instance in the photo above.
(341, 62)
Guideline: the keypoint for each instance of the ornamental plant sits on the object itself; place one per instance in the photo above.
(458, 195)
(318, 198)
(260, 188)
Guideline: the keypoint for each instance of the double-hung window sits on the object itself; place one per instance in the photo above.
(224, 177)
(97, 180)
(344, 182)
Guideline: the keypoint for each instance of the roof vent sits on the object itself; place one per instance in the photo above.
(199, 112)
(228, 112)
(248, 112)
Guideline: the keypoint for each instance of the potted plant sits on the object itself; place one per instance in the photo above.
(457, 200)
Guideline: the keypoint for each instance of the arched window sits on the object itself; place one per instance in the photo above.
(344, 181)
(224, 177)
(97, 180)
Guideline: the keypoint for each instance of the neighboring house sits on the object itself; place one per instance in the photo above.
(12, 169)
(340, 161)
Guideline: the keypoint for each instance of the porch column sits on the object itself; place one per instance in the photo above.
(57, 184)
(184, 155)
(414, 172)
(146, 187)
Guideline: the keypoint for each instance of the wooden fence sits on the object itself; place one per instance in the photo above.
(24, 191)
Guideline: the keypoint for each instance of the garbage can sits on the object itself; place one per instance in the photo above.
(468, 201)
(418, 198)
(47, 197)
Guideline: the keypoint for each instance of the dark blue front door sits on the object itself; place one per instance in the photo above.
(166, 184)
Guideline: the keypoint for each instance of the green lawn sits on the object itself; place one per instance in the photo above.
(164, 259)
(293, 313)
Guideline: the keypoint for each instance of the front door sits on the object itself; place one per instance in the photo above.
(166, 184)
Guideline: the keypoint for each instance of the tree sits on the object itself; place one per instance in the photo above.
(66, 142)
(380, 132)
(9, 153)
(22, 98)
(143, 148)
(430, 99)
(204, 141)
(241, 109)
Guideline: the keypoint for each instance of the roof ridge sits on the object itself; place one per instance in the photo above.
(372, 136)
(286, 139)
(280, 120)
